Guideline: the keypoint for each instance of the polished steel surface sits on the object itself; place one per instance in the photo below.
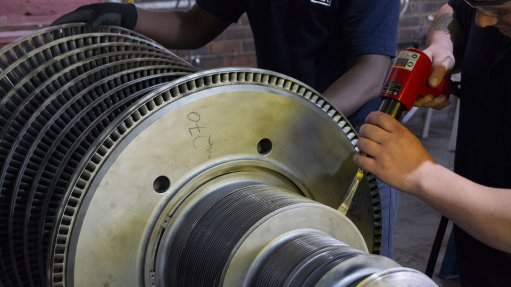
(397, 277)
(354, 269)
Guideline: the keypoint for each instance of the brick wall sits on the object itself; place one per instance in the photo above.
(22, 17)
(416, 20)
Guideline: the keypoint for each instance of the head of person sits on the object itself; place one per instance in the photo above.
(495, 13)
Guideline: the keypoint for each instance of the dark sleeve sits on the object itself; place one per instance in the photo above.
(227, 10)
(370, 27)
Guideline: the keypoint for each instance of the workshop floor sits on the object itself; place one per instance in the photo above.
(417, 223)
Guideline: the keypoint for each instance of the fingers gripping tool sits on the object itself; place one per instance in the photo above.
(406, 81)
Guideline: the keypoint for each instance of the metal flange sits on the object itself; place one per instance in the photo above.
(190, 132)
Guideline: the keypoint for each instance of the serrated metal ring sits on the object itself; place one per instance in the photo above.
(161, 104)
(78, 110)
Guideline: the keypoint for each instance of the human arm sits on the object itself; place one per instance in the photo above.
(176, 29)
(369, 35)
(180, 29)
(396, 156)
(359, 84)
(444, 44)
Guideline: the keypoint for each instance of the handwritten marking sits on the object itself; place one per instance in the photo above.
(202, 140)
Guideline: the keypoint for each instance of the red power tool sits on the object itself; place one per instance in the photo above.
(406, 81)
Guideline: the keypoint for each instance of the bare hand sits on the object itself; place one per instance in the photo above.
(442, 64)
(429, 101)
(390, 151)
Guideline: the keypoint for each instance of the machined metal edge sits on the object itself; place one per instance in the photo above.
(30, 60)
(49, 34)
(84, 76)
(152, 103)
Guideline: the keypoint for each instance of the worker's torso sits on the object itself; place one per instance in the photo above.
(302, 39)
(485, 110)
(483, 139)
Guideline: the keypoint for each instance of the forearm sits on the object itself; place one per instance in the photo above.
(392, 153)
(179, 29)
(163, 27)
(362, 82)
(481, 211)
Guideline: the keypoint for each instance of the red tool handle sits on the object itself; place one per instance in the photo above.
(407, 80)
(444, 88)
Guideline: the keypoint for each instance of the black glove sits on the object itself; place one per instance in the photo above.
(94, 15)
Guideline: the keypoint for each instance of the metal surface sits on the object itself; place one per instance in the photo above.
(264, 239)
(16, 49)
(46, 189)
(61, 98)
(233, 114)
(300, 257)
(121, 165)
(353, 270)
(397, 277)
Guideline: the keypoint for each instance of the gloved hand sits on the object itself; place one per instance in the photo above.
(94, 15)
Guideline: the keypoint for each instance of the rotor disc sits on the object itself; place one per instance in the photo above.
(248, 118)
(99, 130)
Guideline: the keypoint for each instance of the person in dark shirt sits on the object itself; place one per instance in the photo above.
(343, 49)
(474, 35)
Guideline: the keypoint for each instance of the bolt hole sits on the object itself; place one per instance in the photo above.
(264, 146)
(161, 184)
